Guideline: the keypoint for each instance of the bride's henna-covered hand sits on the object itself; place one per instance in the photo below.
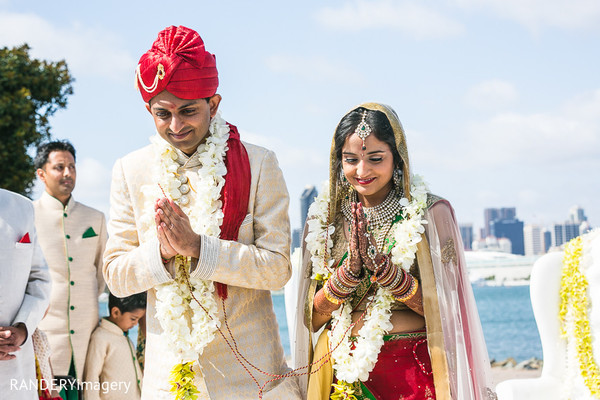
(370, 255)
(354, 259)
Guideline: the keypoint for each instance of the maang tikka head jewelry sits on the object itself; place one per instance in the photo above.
(363, 129)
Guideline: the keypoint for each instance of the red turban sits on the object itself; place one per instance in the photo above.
(179, 63)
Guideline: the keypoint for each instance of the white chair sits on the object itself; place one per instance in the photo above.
(545, 301)
(559, 380)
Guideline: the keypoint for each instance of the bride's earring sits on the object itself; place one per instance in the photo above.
(397, 178)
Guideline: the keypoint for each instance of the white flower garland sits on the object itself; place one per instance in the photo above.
(357, 364)
(173, 298)
(407, 233)
(318, 234)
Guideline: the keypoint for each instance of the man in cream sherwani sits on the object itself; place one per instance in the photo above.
(72, 237)
(198, 198)
(24, 296)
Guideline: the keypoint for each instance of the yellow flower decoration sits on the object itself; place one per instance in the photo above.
(342, 391)
(573, 314)
(182, 382)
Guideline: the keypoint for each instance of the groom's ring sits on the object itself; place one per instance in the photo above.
(171, 227)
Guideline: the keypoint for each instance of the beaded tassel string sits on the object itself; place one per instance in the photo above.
(162, 190)
(239, 356)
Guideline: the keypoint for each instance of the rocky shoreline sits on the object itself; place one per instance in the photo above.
(511, 369)
(531, 364)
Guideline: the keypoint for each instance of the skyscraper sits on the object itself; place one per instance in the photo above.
(562, 233)
(466, 232)
(547, 240)
(306, 199)
(503, 223)
(496, 214)
(511, 229)
(577, 215)
(576, 225)
(296, 238)
(558, 234)
(534, 240)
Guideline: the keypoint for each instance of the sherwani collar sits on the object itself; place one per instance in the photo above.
(186, 161)
(111, 327)
(53, 203)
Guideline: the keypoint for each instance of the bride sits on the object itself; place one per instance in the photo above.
(385, 278)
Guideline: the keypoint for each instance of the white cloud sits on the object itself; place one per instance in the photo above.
(492, 95)
(569, 134)
(411, 18)
(538, 14)
(315, 69)
(88, 51)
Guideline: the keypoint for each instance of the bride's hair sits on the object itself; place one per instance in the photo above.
(380, 127)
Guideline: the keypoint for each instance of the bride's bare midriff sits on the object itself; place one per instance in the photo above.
(403, 321)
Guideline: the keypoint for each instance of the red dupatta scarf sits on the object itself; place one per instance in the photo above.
(235, 193)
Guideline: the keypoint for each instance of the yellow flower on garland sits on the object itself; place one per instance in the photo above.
(342, 391)
(573, 314)
(182, 382)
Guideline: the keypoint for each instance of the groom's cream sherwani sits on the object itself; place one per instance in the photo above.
(257, 263)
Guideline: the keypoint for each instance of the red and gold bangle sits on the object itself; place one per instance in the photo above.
(398, 277)
(165, 260)
(404, 285)
(414, 286)
(337, 289)
(340, 286)
(347, 278)
(386, 274)
(330, 296)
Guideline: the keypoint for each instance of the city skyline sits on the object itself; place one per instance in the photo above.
(500, 223)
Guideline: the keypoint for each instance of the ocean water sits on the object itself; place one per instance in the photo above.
(505, 312)
(508, 323)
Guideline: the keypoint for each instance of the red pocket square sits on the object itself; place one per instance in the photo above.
(25, 239)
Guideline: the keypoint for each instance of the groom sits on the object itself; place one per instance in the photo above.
(198, 199)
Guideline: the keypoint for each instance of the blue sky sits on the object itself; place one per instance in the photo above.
(500, 99)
